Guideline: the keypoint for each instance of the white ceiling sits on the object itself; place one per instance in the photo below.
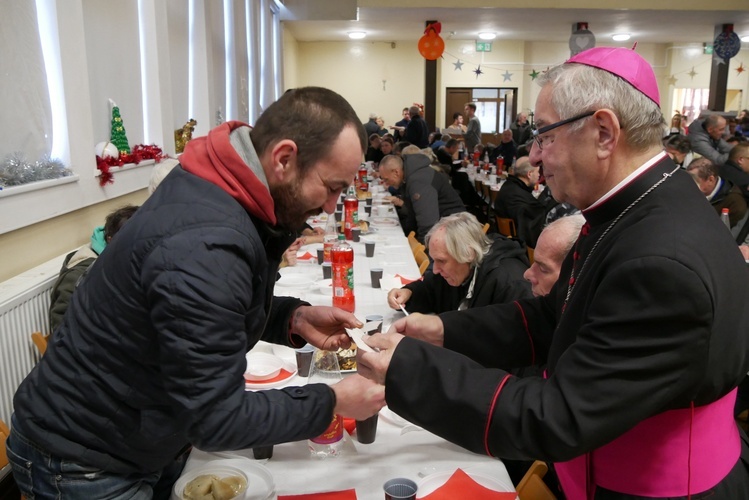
(548, 25)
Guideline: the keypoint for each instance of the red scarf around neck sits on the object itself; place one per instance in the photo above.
(214, 159)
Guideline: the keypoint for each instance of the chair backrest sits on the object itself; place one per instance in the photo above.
(530, 254)
(412, 241)
(422, 260)
(4, 433)
(40, 341)
(532, 486)
(418, 248)
(506, 227)
(485, 229)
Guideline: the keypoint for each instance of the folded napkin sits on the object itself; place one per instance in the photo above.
(405, 280)
(306, 256)
(328, 495)
(461, 485)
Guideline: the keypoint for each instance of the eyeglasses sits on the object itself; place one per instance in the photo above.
(548, 128)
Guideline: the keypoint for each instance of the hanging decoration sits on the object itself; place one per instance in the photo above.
(478, 71)
(458, 65)
(118, 136)
(692, 73)
(740, 69)
(581, 39)
(727, 44)
(139, 153)
(672, 80)
(533, 74)
(507, 76)
(15, 170)
(431, 46)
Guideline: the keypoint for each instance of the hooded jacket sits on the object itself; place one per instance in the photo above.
(428, 195)
(150, 357)
(499, 280)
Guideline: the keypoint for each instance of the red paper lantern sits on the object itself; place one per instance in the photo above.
(431, 46)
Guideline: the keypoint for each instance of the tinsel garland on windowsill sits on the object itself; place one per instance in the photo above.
(16, 170)
(138, 154)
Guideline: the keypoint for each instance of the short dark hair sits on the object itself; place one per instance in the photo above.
(309, 116)
(388, 139)
(679, 142)
(471, 105)
(374, 136)
(451, 143)
(739, 150)
(115, 220)
(399, 146)
(704, 168)
(456, 115)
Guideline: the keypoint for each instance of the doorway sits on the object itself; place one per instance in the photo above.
(495, 108)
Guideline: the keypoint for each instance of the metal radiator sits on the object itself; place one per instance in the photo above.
(24, 306)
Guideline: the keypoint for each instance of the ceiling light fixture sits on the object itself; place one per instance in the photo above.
(356, 35)
(488, 35)
(621, 37)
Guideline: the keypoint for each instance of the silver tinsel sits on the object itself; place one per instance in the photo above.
(16, 170)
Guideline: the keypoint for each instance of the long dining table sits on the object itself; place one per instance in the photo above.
(401, 449)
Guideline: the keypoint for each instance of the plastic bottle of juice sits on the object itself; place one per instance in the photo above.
(342, 257)
(350, 212)
(330, 237)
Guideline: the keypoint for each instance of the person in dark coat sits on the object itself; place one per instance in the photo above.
(76, 263)
(417, 131)
(150, 357)
(470, 269)
(507, 149)
(720, 192)
(736, 169)
(645, 335)
(426, 193)
(372, 127)
(521, 129)
(515, 201)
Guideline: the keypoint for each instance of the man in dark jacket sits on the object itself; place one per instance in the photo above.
(736, 169)
(521, 129)
(706, 138)
(720, 192)
(515, 201)
(371, 127)
(150, 357)
(470, 269)
(427, 194)
(417, 131)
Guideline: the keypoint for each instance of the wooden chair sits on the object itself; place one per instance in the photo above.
(485, 229)
(40, 341)
(412, 241)
(532, 486)
(422, 260)
(506, 226)
(530, 254)
(418, 248)
(4, 433)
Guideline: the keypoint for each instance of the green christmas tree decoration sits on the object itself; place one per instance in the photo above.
(118, 136)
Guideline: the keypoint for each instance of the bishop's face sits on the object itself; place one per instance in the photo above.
(568, 159)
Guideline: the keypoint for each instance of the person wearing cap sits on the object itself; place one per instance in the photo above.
(371, 126)
(645, 334)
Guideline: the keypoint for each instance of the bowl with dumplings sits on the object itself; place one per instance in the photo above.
(213, 482)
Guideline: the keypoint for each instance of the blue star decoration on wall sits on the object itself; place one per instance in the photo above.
(478, 71)
(507, 76)
(458, 65)
(534, 74)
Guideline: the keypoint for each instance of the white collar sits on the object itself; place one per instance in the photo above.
(631, 177)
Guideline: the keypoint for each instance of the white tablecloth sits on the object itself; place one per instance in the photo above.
(400, 449)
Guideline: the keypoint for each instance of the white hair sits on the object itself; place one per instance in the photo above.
(465, 240)
(565, 231)
(159, 172)
(577, 88)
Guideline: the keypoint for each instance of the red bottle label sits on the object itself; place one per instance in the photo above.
(333, 433)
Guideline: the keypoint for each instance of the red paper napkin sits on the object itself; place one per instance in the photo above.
(282, 375)
(461, 485)
(406, 281)
(328, 495)
(350, 425)
(306, 256)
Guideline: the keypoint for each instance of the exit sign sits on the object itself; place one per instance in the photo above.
(707, 49)
(483, 46)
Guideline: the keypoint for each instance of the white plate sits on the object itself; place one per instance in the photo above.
(433, 481)
(295, 279)
(260, 484)
(262, 366)
(272, 384)
(384, 222)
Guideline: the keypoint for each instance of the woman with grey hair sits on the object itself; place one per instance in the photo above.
(470, 269)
